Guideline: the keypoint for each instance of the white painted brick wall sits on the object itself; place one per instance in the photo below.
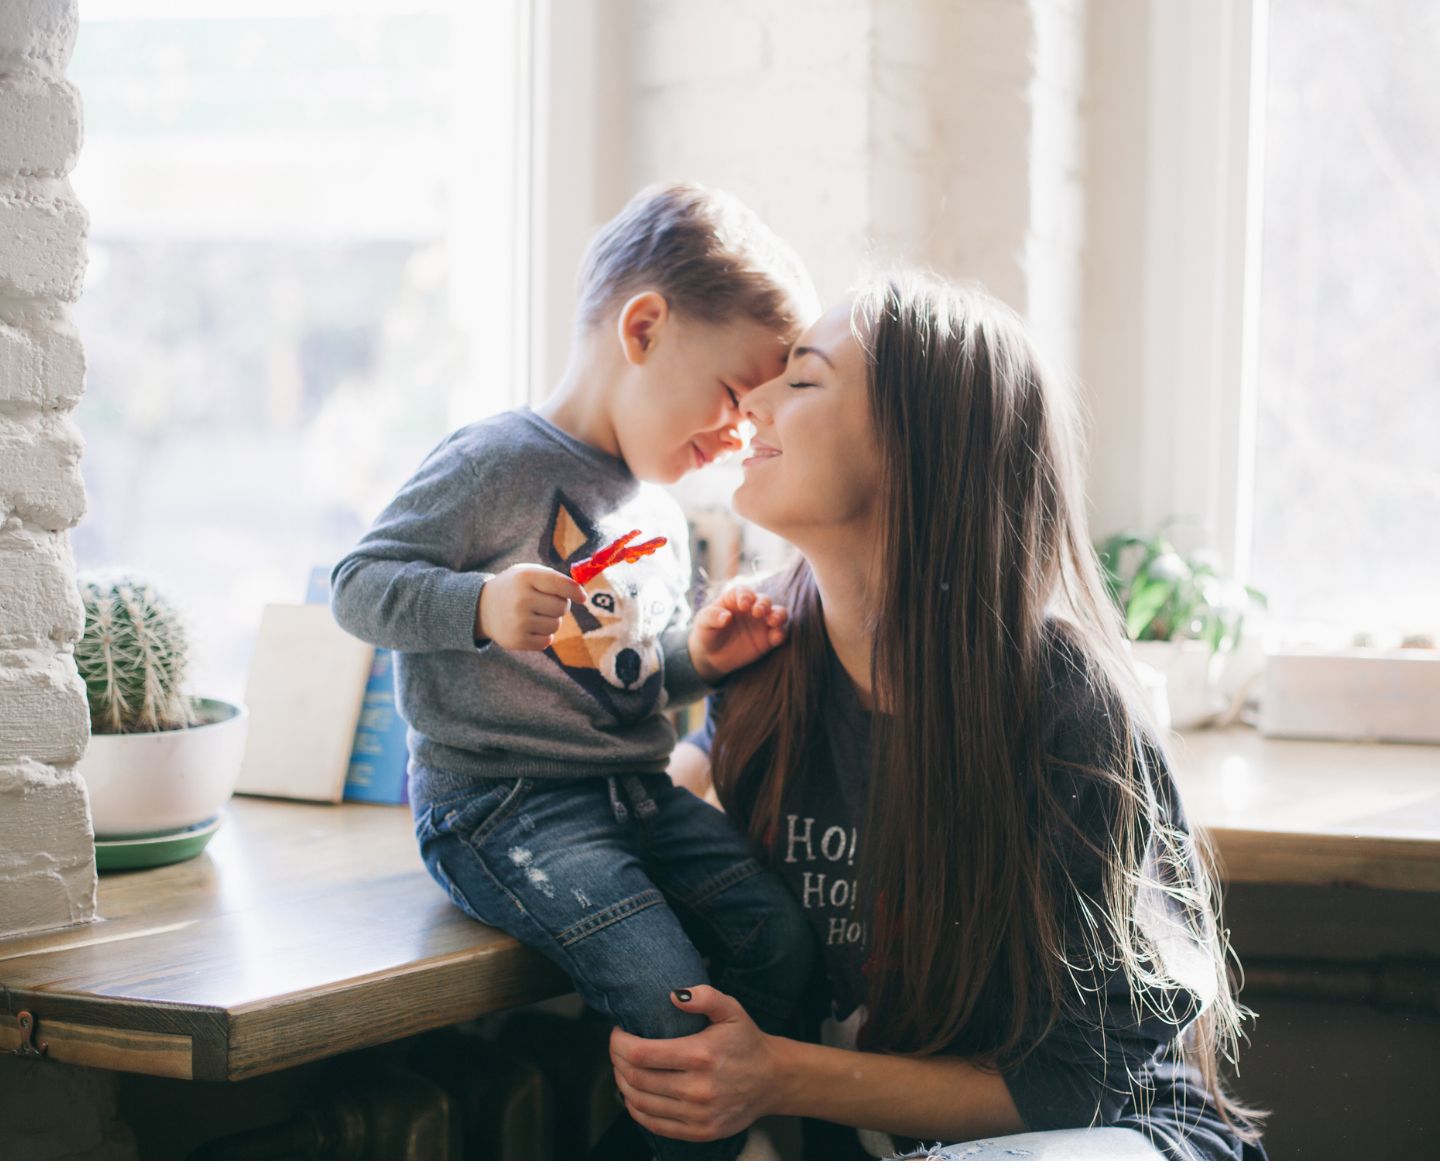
(37, 34)
(42, 253)
(875, 132)
(1055, 237)
(954, 138)
(39, 125)
(940, 133)
(40, 469)
(40, 603)
(769, 101)
(41, 365)
(47, 854)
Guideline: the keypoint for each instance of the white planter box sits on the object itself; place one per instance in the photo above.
(164, 780)
(1360, 694)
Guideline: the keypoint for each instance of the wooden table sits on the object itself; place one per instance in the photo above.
(303, 931)
(1301, 812)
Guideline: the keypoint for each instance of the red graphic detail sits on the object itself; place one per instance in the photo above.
(614, 554)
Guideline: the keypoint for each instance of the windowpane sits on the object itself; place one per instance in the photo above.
(301, 249)
(1347, 508)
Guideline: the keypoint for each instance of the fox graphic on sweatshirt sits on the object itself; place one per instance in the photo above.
(515, 489)
(611, 645)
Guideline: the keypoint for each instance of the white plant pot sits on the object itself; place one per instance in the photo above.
(1191, 675)
(159, 781)
(1152, 687)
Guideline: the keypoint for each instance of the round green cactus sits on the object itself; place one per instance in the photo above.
(132, 657)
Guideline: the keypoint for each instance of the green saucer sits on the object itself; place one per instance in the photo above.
(153, 849)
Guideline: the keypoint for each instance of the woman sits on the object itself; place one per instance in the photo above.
(946, 764)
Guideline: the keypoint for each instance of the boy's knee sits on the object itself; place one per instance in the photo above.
(646, 1010)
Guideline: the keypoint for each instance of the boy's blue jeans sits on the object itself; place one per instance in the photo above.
(612, 877)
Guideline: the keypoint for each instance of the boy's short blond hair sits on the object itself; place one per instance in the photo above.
(708, 254)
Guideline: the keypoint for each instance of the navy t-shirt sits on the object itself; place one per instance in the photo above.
(1107, 1061)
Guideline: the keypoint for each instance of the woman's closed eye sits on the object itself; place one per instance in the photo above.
(800, 385)
(734, 398)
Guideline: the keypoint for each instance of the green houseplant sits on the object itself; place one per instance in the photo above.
(1163, 595)
(159, 761)
(1181, 615)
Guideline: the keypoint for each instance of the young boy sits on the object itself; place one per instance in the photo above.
(538, 738)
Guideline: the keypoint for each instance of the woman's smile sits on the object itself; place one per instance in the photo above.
(759, 452)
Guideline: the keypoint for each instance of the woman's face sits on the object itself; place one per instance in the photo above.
(814, 467)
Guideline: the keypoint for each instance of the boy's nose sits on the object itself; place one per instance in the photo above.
(756, 406)
(731, 438)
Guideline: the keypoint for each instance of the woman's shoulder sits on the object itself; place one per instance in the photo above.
(1093, 729)
(1100, 746)
(1081, 704)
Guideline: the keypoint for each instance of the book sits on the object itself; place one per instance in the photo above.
(305, 688)
(379, 768)
(379, 771)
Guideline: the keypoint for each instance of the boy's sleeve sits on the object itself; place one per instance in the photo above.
(703, 737)
(683, 683)
(403, 586)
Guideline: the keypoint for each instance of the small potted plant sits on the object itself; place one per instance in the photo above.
(1181, 616)
(159, 763)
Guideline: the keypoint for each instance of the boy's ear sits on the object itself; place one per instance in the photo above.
(641, 321)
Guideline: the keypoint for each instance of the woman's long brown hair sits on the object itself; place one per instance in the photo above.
(967, 852)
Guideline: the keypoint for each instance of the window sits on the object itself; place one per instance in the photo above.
(1346, 508)
(1290, 366)
(304, 270)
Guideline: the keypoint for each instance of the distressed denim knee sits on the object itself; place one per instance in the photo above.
(554, 865)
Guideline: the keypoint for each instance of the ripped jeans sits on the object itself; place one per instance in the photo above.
(623, 882)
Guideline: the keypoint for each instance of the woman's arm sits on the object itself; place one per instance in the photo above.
(718, 1081)
(935, 1098)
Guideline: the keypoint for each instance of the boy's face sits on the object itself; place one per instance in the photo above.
(679, 408)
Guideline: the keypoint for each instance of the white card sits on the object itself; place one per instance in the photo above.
(307, 681)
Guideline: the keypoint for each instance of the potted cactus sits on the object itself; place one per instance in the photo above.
(159, 763)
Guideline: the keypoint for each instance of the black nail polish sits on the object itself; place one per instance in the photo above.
(683, 995)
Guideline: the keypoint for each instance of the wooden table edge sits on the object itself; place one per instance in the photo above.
(1266, 857)
(178, 1040)
(214, 1043)
(286, 1031)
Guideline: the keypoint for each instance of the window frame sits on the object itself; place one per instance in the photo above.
(1201, 278)
(578, 172)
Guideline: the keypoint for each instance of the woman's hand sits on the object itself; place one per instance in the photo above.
(704, 1087)
(714, 1084)
(734, 630)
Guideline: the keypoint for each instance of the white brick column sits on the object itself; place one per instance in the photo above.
(976, 143)
(47, 853)
(876, 132)
(770, 101)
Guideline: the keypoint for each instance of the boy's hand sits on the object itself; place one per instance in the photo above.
(521, 608)
(736, 629)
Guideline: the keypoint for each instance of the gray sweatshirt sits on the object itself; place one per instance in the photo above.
(509, 490)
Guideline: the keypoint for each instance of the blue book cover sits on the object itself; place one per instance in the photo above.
(379, 759)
